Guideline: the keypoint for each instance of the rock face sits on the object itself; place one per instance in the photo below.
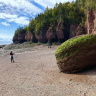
(29, 36)
(77, 54)
(79, 31)
(72, 30)
(15, 39)
(41, 37)
(21, 38)
(90, 25)
(60, 33)
(50, 34)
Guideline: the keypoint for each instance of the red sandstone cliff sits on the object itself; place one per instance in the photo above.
(50, 34)
(21, 38)
(79, 31)
(41, 37)
(72, 30)
(15, 38)
(75, 30)
(90, 24)
(60, 33)
(29, 36)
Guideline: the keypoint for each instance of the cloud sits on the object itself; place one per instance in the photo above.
(50, 3)
(5, 23)
(17, 11)
(20, 6)
(20, 20)
(14, 18)
(6, 16)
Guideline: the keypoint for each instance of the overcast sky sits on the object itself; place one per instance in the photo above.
(15, 13)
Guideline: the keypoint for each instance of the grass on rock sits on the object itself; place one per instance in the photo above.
(74, 45)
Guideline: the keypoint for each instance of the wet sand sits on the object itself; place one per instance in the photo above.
(35, 73)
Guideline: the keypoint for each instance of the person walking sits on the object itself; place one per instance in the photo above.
(11, 57)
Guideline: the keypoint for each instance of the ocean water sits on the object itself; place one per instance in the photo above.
(5, 42)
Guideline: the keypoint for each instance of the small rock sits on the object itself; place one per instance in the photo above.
(70, 80)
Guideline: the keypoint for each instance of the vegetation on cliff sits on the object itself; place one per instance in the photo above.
(87, 4)
(67, 13)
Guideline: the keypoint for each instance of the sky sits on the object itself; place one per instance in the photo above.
(15, 13)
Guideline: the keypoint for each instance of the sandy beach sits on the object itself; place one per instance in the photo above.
(35, 73)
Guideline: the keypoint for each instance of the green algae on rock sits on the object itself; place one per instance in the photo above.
(77, 53)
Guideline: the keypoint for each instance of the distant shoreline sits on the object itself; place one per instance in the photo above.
(5, 42)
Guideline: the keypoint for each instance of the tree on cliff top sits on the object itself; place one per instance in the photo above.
(20, 30)
(88, 4)
(68, 13)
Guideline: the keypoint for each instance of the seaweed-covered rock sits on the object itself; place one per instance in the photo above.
(76, 54)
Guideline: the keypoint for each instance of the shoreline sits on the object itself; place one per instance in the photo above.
(35, 73)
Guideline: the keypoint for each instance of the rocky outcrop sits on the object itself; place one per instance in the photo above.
(77, 54)
(41, 36)
(15, 39)
(94, 30)
(73, 30)
(50, 34)
(21, 38)
(29, 36)
(60, 33)
(90, 24)
(79, 31)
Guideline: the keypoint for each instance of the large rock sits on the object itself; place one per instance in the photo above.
(77, 53)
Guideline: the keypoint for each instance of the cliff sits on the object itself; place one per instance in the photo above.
(50, 34)
(15, 39)
(45, 34)
(79, 31)
(59, 32)
(90, 24)
(41, 37)
(29, 36)
(21, 38)
(73, 28)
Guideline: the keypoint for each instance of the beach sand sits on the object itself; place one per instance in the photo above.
(35, 73)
